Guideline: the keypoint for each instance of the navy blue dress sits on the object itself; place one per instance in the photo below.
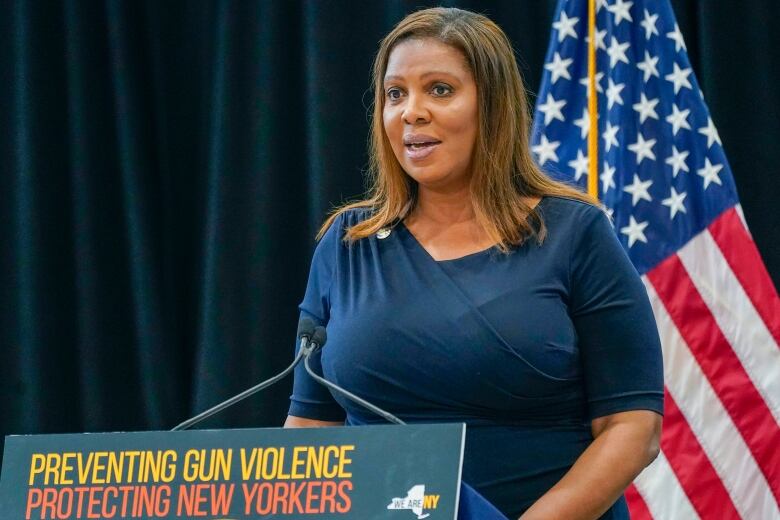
(525, 348)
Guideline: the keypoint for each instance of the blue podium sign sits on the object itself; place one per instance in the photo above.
(368, 472)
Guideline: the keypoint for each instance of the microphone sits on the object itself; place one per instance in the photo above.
(306, 333)
(317, 341)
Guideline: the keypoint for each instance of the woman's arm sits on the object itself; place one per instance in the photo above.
(300, 422)
(624, 443)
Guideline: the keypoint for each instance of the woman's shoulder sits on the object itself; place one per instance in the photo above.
(573, 221)
(354, 215)
(343, 219)
(570, 205)
(564, 210)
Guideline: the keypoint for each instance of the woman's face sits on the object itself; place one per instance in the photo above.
(430, 113)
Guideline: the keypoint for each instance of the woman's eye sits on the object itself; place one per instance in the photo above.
(441, 90)
(393, 94)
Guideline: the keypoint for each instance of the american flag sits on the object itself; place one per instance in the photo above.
(664, 178)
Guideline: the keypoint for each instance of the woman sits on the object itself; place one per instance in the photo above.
(471, 287)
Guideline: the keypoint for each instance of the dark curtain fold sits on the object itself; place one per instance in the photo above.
(164, 167)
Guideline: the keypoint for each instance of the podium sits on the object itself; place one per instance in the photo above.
(367, 472)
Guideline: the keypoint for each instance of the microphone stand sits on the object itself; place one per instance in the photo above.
(346, 393)
(302, 353)
(312, 338)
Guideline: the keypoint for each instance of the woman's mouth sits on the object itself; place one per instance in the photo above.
(418, 151)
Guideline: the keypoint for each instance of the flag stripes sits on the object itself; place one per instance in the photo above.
(741, 253)
(710, 422)
(637, 505)
(662, 493)
(692, 467)
(735, 315)
(719, 364)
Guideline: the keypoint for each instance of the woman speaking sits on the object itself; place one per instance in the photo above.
(471, 287)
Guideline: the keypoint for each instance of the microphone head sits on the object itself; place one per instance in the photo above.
(320, 336)
(306, 328)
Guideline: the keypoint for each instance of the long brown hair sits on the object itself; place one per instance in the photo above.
(504, 172)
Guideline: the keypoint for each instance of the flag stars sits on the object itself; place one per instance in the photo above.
(677, 37)
(583, 123)
(661, 74)
(610, 136)
(643, 148)
(580, 165)
(559, 67)
(607, 178)
(600, 35)
(649, 66)
(617, 52)
(680, 78)
(621, 11)
(613, 93)
(711, 132)
(635, 231)
(675, 203)
(710, 173)
(565, 26)
(545, 150)
(586, 82)
(649, 24)
(678, 119)
(638, 190)
(552, 109)
(646, 108)
(677, 161)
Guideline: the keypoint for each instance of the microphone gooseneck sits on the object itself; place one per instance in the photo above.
(306, 333)
(317, 341)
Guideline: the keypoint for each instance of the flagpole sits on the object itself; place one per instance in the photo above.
(593, 134)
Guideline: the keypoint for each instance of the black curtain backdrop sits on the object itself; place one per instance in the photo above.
(164, 167)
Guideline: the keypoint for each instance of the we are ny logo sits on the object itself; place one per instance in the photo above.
(416, 501)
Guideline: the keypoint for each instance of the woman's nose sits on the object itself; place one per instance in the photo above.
(415, 110)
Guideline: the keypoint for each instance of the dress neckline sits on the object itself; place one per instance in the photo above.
(476, 254)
